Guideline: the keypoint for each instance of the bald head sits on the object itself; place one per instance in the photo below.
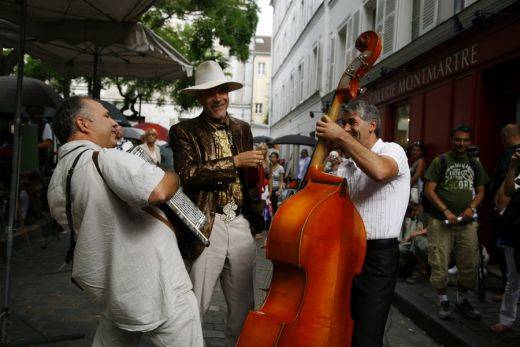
(511, 135)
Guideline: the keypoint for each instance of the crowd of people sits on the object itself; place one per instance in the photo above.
(439, 233)
(420, 218)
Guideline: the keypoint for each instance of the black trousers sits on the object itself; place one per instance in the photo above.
(372, 292)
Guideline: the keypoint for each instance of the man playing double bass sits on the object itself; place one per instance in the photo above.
(378, 180)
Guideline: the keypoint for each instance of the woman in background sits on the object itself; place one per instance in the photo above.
(276, 182)
(150, 137)
(417, 168)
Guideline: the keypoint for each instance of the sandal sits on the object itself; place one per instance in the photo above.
(499, 328)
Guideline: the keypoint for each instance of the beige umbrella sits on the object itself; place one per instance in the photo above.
(53, 11)
(141, 54)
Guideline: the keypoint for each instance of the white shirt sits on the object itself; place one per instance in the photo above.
(302, 167)
(276, 175)
(126, 259)
(382, 205)
(47, 132)
(124, 145)
(155, 154)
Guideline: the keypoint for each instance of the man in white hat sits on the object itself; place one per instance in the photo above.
(212, 155)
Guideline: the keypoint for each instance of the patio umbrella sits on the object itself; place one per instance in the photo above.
(295, 140)
(162, 132)
(115, 113)
(262, 139)
(50, 11)
(34, 93)
(139, 53)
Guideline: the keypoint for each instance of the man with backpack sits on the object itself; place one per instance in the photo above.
(455, 188)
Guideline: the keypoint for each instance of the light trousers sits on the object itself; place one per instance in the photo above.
(231, 258)
(462, 240)
(181, 330)
(509, 305)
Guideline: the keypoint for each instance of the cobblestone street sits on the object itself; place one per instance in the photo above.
(43, 298)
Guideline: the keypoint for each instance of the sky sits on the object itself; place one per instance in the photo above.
(265, 18)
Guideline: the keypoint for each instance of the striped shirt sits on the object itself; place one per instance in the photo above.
(382, 205)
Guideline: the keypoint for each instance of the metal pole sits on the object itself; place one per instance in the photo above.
(15, 171)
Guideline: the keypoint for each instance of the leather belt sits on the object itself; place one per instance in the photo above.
(382, 244)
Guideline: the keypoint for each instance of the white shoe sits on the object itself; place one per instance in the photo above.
(453, 270)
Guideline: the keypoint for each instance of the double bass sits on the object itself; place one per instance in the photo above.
(317, 245)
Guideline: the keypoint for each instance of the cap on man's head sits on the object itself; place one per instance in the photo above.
(209, 75)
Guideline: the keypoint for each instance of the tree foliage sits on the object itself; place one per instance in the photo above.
(37, 69)
(192, 27)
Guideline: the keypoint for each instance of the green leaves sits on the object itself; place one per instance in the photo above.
(194, 28)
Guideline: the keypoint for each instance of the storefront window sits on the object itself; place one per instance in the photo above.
(402, 124)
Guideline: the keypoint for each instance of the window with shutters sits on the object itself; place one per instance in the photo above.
(261, 69)
(386, 24)
(284, 101)
(330, 72)
(303, 18)
(340, 55)
(307, 74)
(353, 31)
(416, 15)
(428, 15)
(301, 81)
(319, 69)
(291, 92)
(369, 14)
(315, 66)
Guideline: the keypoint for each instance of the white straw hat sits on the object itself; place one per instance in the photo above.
(209, 75)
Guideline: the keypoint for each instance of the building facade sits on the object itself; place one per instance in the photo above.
(261, 85)
(444, 63)
(438, 66)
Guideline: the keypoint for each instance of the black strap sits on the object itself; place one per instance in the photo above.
(72, 150)
(444, 166)
(68, 209)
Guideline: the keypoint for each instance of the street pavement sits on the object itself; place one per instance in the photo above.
(420, 302)
(45, 304)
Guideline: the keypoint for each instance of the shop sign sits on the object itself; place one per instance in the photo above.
(449, 65)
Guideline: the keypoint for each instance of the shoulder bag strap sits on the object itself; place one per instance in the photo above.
(444, 167)
(68, 208)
